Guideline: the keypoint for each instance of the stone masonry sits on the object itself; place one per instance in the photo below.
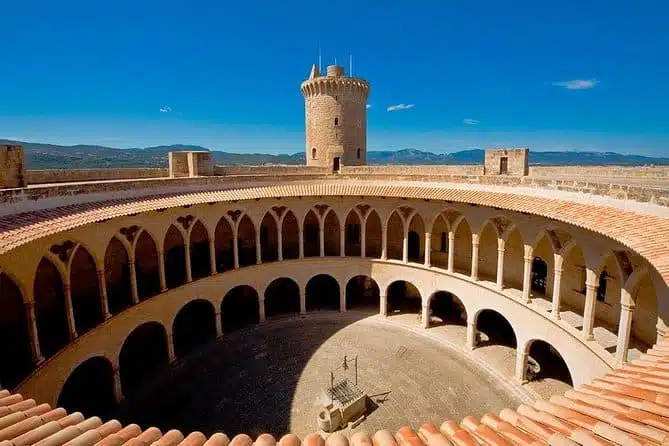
(12, 166)
(506, 162)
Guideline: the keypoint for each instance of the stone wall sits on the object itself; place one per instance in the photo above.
(431, 170)
(600, 171)
(45, 176)
(227, 170)
(12, 166)
(506, 162)
(178, 164)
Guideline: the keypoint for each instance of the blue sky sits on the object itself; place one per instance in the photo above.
(568, 75)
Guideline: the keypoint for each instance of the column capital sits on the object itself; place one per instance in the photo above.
(627, 306)
(475, 243)
(591, 287)
(501, 250)
(557, 271)
(528, 259)
(451, 235)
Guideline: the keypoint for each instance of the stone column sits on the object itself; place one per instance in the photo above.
(189, 270)
(428, 248)
(363, 239)
(557, 286)
(321, 240)
(405, 246)
(235, 248)
(384, 244)
(279, 241)
(451, 251)
(261, 309)
(161, 271)
(500, 263)
(301, 237)
(521, 366)
(425, 315)
(342, 299)
(33, 333)
(258, 249)
(133, 281)
(170, 349)
(212, 257)
(527, 278)
(303, 302)
(383, 304)
(589, 310)
(118, 393)
(625, 326)
(69, 312)
(219, 325)
(342, 241)
(102, 285)
(471, 334)
(475, 257)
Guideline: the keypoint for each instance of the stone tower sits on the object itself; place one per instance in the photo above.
(336, 118)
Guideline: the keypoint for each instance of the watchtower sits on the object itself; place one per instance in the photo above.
(336, 118)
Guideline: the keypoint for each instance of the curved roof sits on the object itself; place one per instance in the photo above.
(646, 234)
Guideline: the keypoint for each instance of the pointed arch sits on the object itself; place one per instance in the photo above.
(543, 268)
(50, 308)
(416, 242)
(573, 278)
(269, 239)
(117, 276)
(175, 257)
(395, 236)
(645, 316)
(439, 254)
(147, 266)
(224, 245)
(373, 235)
(17, 354)
(290, 236)
(84, 290)
(514, 263)
(246, 241)
(353, 234)
(487, 264)
(311, 235)
(462, 261)
(200, 258)
(331, 233)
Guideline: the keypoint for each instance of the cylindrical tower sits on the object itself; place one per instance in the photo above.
(336, 118)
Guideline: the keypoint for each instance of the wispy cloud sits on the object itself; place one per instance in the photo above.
(470, 121)
(165, 109)
(577, 84)
(399, 107)
(369, 105)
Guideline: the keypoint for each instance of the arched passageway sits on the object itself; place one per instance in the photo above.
(462, 242)
(240, 308)
(353, 234)
(395, 237)
(90, 389)
(311, 235)
(290, 236)
(175, 258)
(543, 266)
(514, 263)
(487, 264)
(416, 235)
(147, 266)
(200, 262)
(414, 247)
(282, 297)
(362, 292)
(539, 275)
(373, 235)
(494, 329)
(322, 293)
(224, 245)
(447, 309)
(269, 239)
(403, 297)
(545, 362)
(439, 241)
(117, 277)
(86, 303)
(144, 352)
(331, 233)
(194, 326)
(246, 241)
(50, 310)
(16, 354)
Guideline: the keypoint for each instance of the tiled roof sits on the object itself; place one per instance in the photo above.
(629, 406)
(626, 227)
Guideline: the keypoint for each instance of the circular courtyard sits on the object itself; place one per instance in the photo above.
(270, 377)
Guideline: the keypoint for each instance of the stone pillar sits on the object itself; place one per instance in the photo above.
(405, 246)
(451, 251)
(384, 244)
(261, 309)
(301, 237)
(133, 280)
(69, 312)
(589, 309)
(189, 269)
(624, 327)
(303, 302)
(235, 248)
(212, 257)
(219, 325)
(170, 349)
(428, 248)
(118, 393)
(321, 240)
(161, 271)
(342, 299)
(471, 334)
(342, 241)
(557, 286)
(527, 274)
(32, 332)
(521, 366)
(102, 285)
(475, 257)
(425, 315)
(279, 241)
(500, 263)
(258, 249)
(363, 239)
(383, 304)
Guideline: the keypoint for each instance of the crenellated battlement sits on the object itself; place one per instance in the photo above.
(351, 88)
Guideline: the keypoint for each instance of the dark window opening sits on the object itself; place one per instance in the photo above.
(504, 165)
(358, 153)
(601, 289)
(313, 153)
(353, 234)
(539, 274)
(443, 242)
(335, 164)
(336, 121)
(264, 235)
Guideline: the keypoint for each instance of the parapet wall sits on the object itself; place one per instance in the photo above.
(226, 170)
(45, 176)
(444, 169)
(600, 171)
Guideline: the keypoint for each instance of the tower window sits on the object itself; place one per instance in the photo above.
(358, 153)
(336, 121)
(313, 153)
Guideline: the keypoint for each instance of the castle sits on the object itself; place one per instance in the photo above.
(551, 282)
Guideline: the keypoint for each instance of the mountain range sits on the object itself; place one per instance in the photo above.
(50, 156)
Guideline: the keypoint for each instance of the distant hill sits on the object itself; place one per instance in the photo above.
(50, 156)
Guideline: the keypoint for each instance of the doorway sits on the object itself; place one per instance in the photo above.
(335, 165)
(504, 165)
